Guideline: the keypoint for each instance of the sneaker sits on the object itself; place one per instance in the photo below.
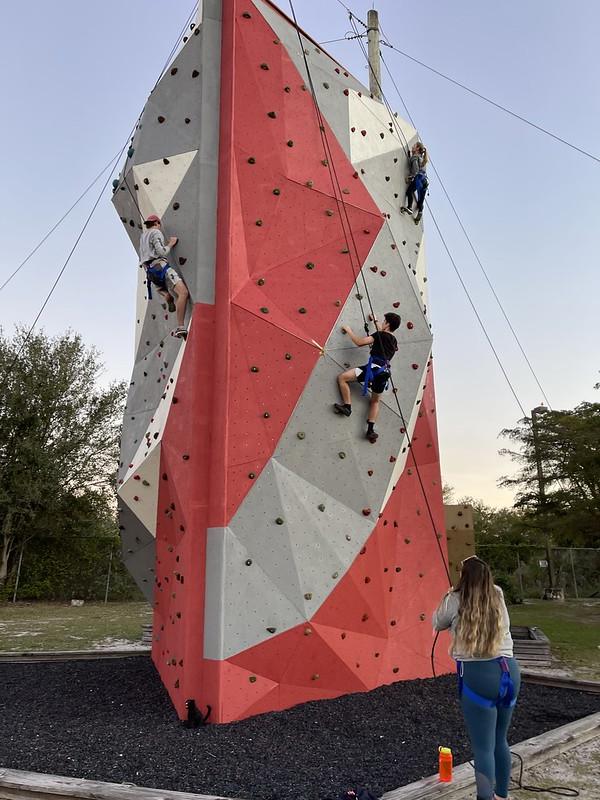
(372, 436)
(171, 305)
(180, 333)
(417, 219)
(341, 409)
(406, 210)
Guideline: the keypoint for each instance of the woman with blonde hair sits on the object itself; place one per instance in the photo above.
(416, 180)
(488, 675)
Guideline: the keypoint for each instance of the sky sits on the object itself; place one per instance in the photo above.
(74, 79)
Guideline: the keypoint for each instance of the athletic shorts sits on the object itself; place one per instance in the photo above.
(380, 377)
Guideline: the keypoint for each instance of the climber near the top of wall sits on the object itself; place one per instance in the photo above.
(416, 180)
(375, 374)
(153, 252)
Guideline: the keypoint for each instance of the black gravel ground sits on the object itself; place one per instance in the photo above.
(112, 721)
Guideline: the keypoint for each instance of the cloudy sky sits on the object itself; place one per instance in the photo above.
(76, 75)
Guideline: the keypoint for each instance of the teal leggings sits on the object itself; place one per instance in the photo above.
(488, 726)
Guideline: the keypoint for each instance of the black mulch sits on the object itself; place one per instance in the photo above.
(112, 721)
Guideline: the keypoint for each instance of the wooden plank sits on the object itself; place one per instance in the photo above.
(533, 751)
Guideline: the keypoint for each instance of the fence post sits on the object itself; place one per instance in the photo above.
(110, 558)
(520, 574)
(18, 574)
(573, 573)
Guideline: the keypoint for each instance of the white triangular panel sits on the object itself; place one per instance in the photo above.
(163, 181)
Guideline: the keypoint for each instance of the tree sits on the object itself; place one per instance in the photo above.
(558, 480)
(59, 431)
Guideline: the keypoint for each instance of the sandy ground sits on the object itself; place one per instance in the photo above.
(578, 768)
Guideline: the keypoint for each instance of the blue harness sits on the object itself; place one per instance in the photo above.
(506, 694)
(155, 274)
(384, 366)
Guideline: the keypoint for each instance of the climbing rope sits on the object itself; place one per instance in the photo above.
(324, 137)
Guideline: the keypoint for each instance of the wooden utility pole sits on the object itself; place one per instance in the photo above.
(374, 54)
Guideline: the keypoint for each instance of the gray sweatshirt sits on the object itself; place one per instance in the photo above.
(446, 616)
(152, 245)
(415, 165)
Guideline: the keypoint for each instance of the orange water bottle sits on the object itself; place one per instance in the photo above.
(445, 764)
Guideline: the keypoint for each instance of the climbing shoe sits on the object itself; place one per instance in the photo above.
(171, 304)
(372, 436)
(342, 409)
(417, 219)
(180, 332)
(405, 210)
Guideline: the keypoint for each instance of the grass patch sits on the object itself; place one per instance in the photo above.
(60, 626)
(573, 628)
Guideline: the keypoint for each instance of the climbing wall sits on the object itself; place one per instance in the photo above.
(288, 558)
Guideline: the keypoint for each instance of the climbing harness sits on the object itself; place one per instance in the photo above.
(156, 274)
(381, 364)
(506, 693)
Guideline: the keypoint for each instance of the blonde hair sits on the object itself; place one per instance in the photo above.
(479, 631)
(422, 150)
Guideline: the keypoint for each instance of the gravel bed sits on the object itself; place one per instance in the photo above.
(112, 721)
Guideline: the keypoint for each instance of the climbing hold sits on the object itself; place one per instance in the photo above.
(392, 459)
(252, 160)
(248, 562)
(315, 677)
(264, 66)
(422, 617)
(369, 472)
(271, 630)
(325, 85)
(247, 15)
(407, 541)
(290, 142)
(185, 457)
(321, 507)
(266, 415)
(302, 310)
(393, 246)
(346, 92)
(325, 162)
(373, 269)
(308, 596)
(415, 366)
(338, 303)
(335, 575)
(253, 369)
(174, 71)
(329, 212)
(264, 310)
(175, 206)
(259, 223)
(272, 114)
(363, 133)
(410, 326)
(395, 670)
(115, 183)
(187, 120)
(161, 120)
(288, 356)
(195, 73)
(366, 512)
(252, 678)
(348, 537)
(309, 265)
(182, 261)
(310, 184)
(260, 282)
(307, 631)
(367, 579)
(364, 617)
(287, 89)
(301, 435)
(130, 152)
(251, 475)
(279, 521)
(276, 192)
(341, 454)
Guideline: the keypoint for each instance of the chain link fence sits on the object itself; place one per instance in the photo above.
(525, 568)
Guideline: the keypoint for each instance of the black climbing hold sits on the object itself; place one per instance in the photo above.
(290, 143)
(264, 66)
(272, 114)
(310, 265)
(175, 206)
(130, 152)
(302, 310)
(146, 181)
(271, 630)
(248, 562)
(182, 261)
(115, 183)
(195, 73)
(185, 457)
(287, 89)
(321, 507)
(252, 160)
(247, 15)
(341, 454)
(166, 161)
(251, 475)
(253, 369)
(260, 282)
(276, 191)
(288, 356)
(161, 120)
(252, 678)
(187, 120)
(325, 85)
(266, 415)
(279, 521)
(301, 435)
(174, 71)
(259, 223)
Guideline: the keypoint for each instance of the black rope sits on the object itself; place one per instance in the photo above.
(55, 226)
(561, 791)
(333, 173)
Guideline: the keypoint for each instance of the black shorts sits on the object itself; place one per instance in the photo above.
(380, 377)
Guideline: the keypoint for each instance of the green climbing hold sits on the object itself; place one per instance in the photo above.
(264, 310)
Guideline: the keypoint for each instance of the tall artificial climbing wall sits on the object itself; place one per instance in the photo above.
(288, 559)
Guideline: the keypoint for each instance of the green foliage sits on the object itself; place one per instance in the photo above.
(59, 431)
(567, 446)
